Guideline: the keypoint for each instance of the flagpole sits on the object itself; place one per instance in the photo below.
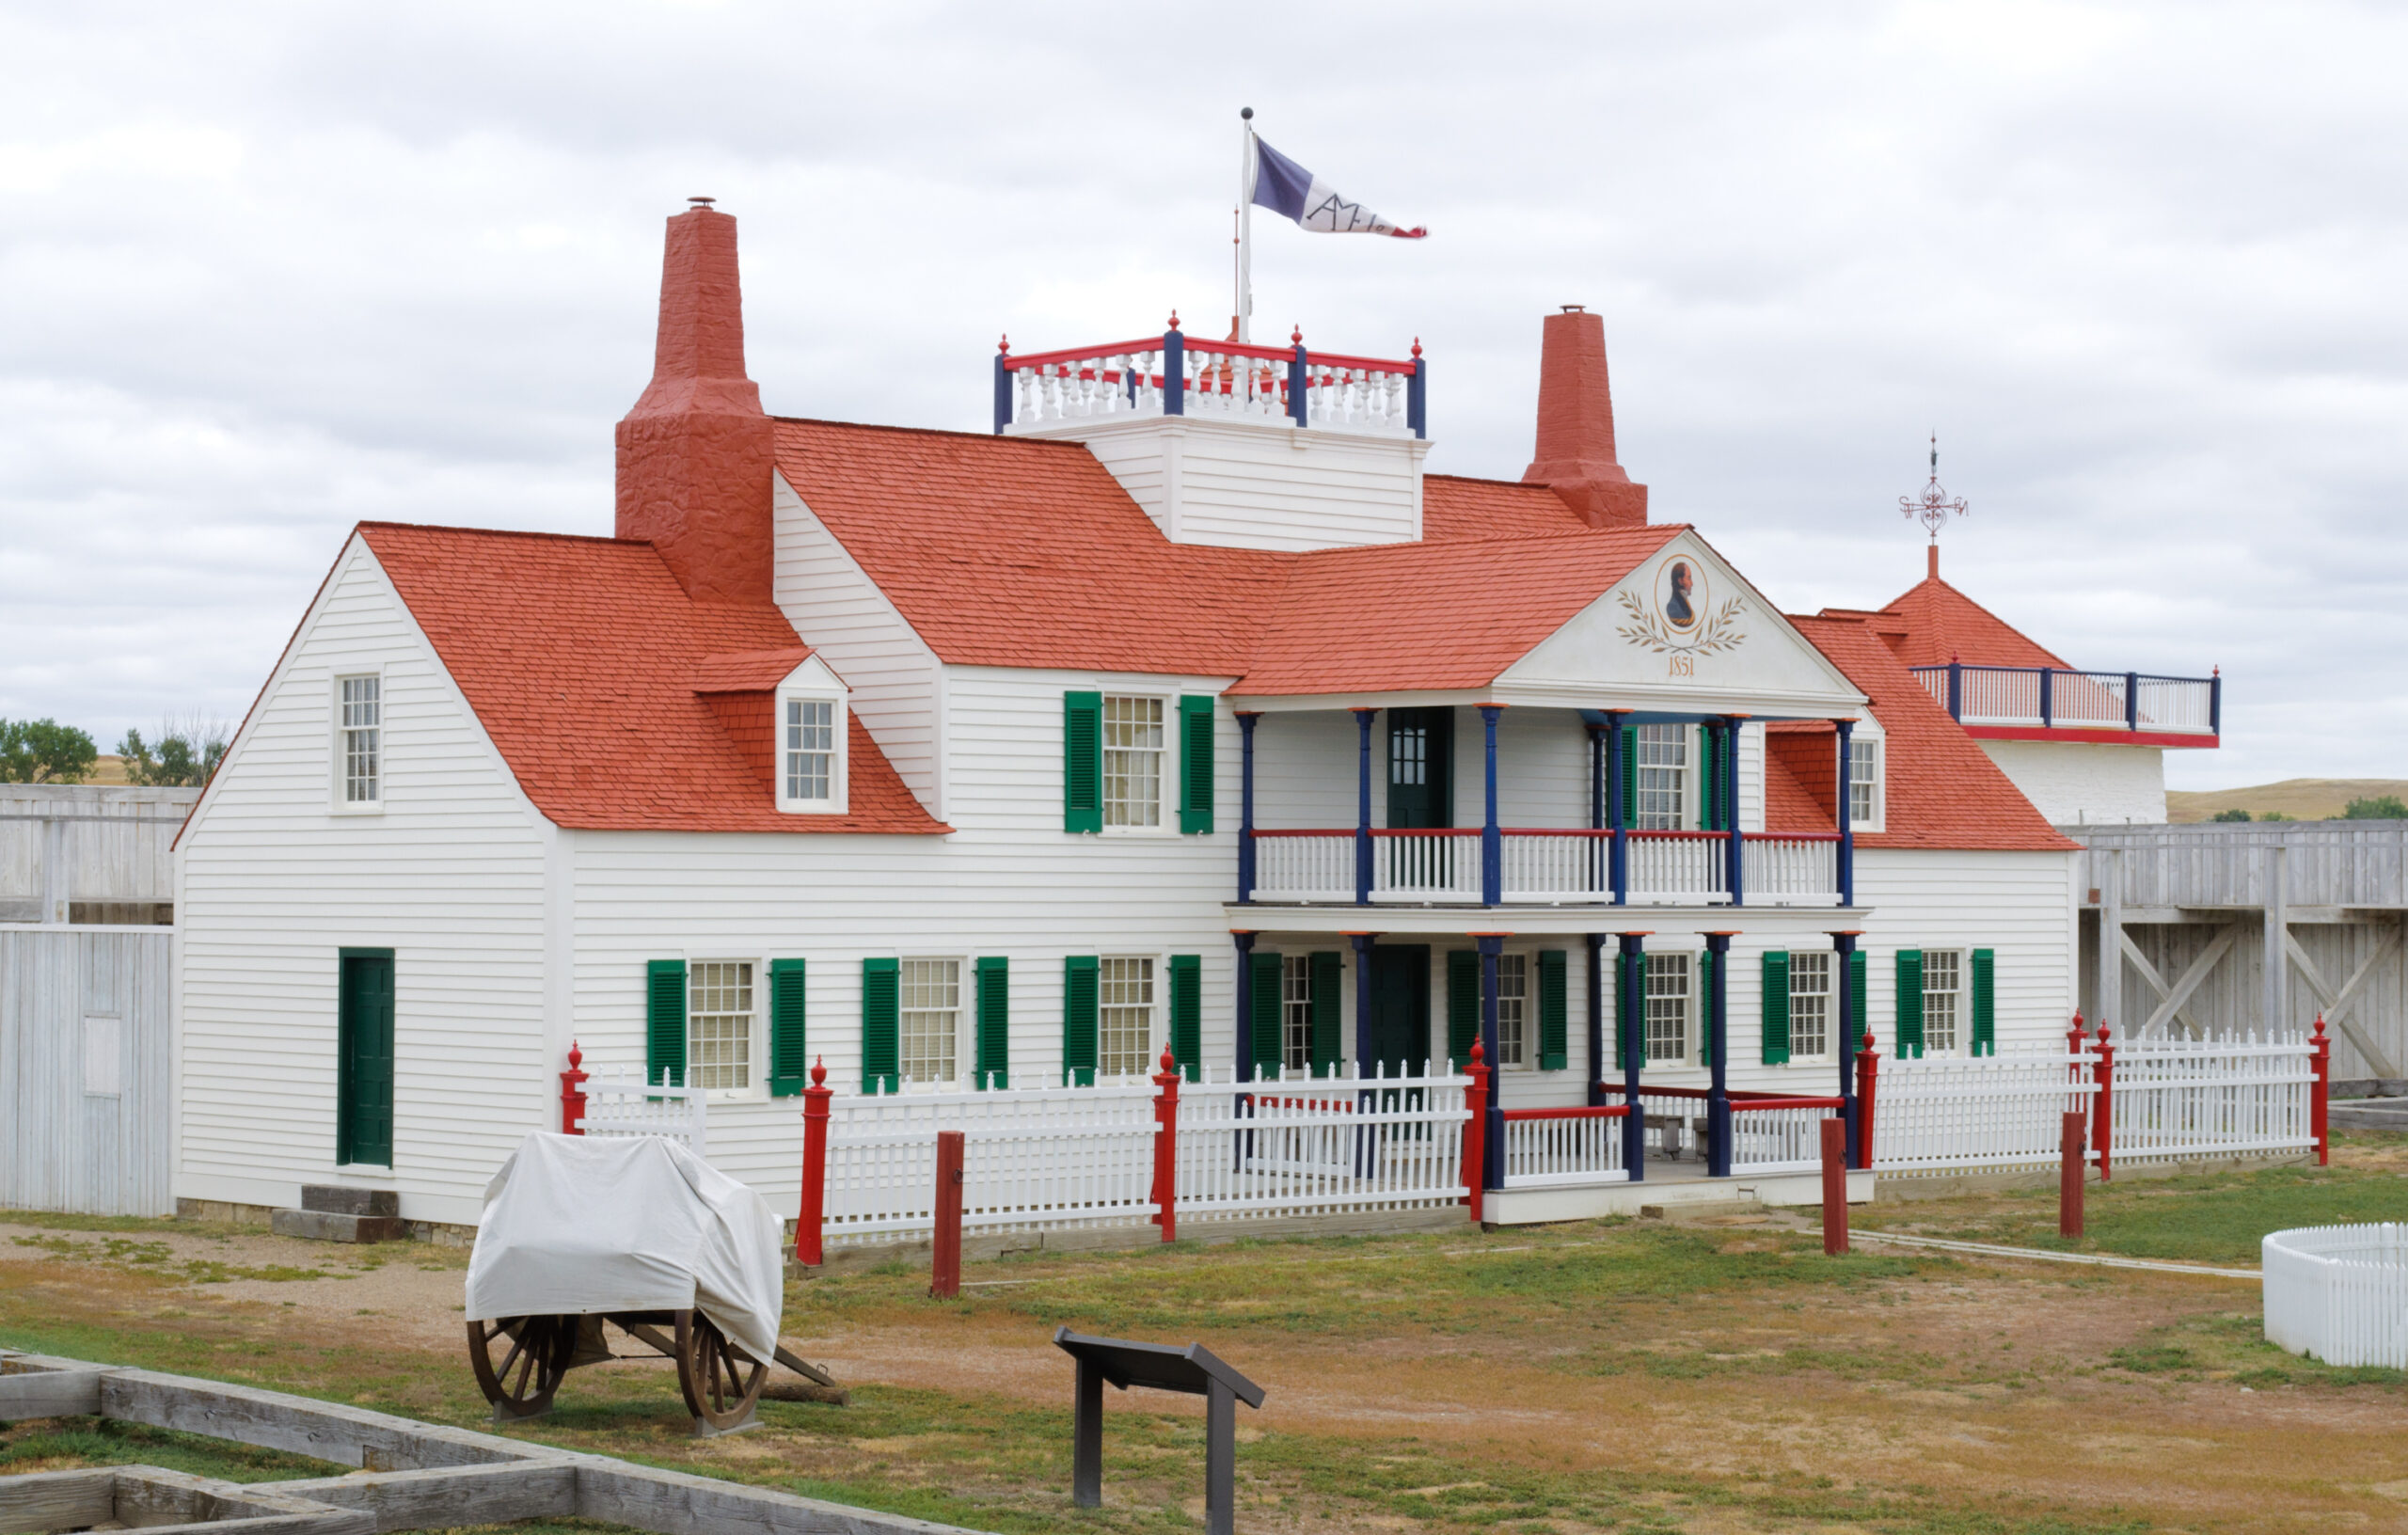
(1244, 318)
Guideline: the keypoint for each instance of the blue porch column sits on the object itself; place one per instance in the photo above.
(1492, 840)
(1247, 719)
(1597, 1058)
(1174, 370)
(1244, 942)
(1363, 806)
(1717, 1039)
(1848, 1026)
(1491, 946)
(1847, 818)
(1618, 814)
(1731, 736)
(1363, 1056)
(1630, 1018)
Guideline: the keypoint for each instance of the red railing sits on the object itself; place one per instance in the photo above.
(1599, 1110)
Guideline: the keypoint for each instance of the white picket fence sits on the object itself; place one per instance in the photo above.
(2338, 1294)
(1783, 1140)
(1990, 1112)
(622, 1104)
(2191, 1097)
(1563, 1150)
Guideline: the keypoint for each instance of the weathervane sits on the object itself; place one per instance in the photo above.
(1933, 506)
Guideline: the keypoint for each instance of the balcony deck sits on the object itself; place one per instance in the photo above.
(1546, 867)
(2046, 704)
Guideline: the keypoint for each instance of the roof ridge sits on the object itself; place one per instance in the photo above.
(928, 431)
(503, 532)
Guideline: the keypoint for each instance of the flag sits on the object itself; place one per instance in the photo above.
(1290, 190)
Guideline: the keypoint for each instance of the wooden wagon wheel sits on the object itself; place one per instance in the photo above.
(521, 1385)
(720, 1383)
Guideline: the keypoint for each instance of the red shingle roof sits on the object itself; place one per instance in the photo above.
(1453, 507)
(1945, 625)
(582, 658)
(1941, 789)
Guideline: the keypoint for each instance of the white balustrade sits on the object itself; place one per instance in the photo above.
(2017, 696)
(1425, 867)
(2087, 699)
(1560, 1149)
(1783, 1139)
(1682, 868)
(621, 1102)
(1558, 866)
(1222, 382)
(2338, 1294)
(1218, 380)
(2182, 705)
(1791, 870)
(1309, 866)
(1293, 1146)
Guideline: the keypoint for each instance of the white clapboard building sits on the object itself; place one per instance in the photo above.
(1185, 710)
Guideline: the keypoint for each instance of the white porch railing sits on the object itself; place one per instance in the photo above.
(1425, 867)
(1547, 867)
(1307, 1146)
(2051, 697)
(2338, 1292)
(622, 1104)
(1563, 1148)
(2187, 1097)
(1188, 375)
(1678, 868)
(1791, 869)
(1033, 1157)
(1786, 1138)
(1995, 1111)
(1311, 866)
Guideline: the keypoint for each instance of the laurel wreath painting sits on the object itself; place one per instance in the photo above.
(1719, 632)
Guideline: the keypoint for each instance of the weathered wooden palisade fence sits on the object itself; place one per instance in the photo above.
(2338, 1292)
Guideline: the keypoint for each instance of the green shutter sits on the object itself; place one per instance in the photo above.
(994, 991)
(1859, 1012)
(1078, 1019)
(1910, 1034)
(1555, 1051)
(789, 1061)
(1705, 1008)
(1083, 763)
(881, 1042)
(1328, 1011)
(1710, 786)
(1985, 1003)
(1194, 764)
(1187, 1014)
(1463, 1005)
(1776, 1007)
(1629, 776)
(1268, 1000)
(664, 1037)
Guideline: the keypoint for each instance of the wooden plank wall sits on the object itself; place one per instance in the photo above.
(127, 855)
(62, 1147)
(2362, 864)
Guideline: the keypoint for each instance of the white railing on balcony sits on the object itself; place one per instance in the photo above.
(2052, 698)
(1123, 379)
(1425, 866)
(1547, 867)
(1562, 1148)
(1558, 866)
(1791, 868)
(1222, 380)
(1680, 868)
(1313, 866)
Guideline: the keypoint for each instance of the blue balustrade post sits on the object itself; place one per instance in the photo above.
(1846, 817)
(1848, 1026)
(1417, 395)
(2131, 701)
(1492, 839)
(1718, 1037)
(1247, 719)
(1003, 389)
(1732, 734)
(1955, 689)
(1618, 814)
(2048, 696)
(1363, 806)
(1596, 1018)
(1299, 386)
(1174, 371)
(1491, 946)
(2216, 703)
(1244, 942)
(1630, 1027)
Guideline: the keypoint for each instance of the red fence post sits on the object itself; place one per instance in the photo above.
(1167, 1147)
(815, 1166)
(1868, 1072)
(2069, 1178)
(2321, 1061)
(1476, 1130)
(2102, 1130)
(1834, 1187)
(573, 1093)
(945, 1269)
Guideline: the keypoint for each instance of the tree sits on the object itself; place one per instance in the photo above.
(44, 752)
(2230, 816)
(2381, 807)
(187, 755)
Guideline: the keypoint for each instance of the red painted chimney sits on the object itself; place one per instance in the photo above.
(1575, 452)
(694, 454)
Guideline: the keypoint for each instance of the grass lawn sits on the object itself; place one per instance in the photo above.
(1634, 1376)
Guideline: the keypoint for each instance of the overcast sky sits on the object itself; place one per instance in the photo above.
(268, 270)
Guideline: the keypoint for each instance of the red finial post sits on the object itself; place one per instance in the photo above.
(2103, 1123)
(2320, 1056)
(1167, 1147)
(1005, 345)
(573, 1093)
(1476, 1130)
(1868, 1076)
(1174, 319)
(815, 1166)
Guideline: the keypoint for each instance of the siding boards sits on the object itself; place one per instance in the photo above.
(65, 1149)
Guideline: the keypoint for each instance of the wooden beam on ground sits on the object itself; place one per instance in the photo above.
(2338, 1005)
(62, 1393)
(447, 1498)
(673, 1503)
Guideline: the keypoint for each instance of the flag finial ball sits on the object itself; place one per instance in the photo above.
(1246, 113)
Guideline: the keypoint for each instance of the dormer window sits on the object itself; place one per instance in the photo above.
(809, 731)
(1865, 808)
(811, 748)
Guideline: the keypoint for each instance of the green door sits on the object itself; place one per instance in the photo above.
(1421, 768)
(1399, 1009)
(364, 1089)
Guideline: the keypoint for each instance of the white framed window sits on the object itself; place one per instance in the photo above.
(1864, 807)
(1132, 762)
(1124, 1017)
(359, 742)
(811, 753)
(1809, 1003)
(1943, 996)
(1668, 996)
(721, 1018)
(930, 1021)
(1513, 1010)
(1663, 776)
(1296, 1012)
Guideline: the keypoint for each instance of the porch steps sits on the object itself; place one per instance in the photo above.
(330, 1212)
(1665, 1186)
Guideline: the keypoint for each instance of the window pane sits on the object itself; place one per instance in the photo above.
(1864, 762)
(363, 723)
(1132, 760)
(810, 747)
(931, 1018)
(1663, 769)
(1124, 1017)
(1940, 988)
(1512, 1008)
(1810, 1003)
(1296, 1012)
(1668, 1006)
(719, 1024)
(1409, 755)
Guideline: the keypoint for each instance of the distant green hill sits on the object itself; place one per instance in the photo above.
(2301, 799)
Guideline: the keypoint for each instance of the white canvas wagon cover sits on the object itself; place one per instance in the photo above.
(577, 1224)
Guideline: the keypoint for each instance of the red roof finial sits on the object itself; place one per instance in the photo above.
(1417, 346)
(1296, 337)
(1174, 319)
